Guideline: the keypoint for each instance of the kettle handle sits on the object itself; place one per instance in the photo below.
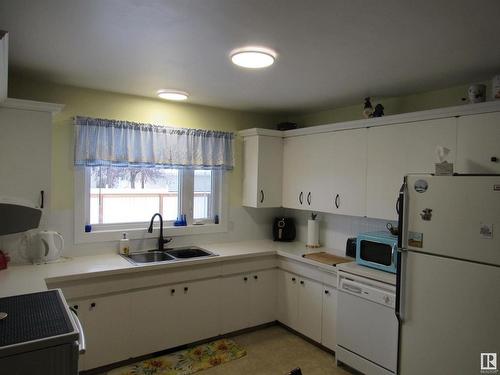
(61, 238)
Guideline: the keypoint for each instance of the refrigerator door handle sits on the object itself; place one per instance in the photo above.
(401, 241)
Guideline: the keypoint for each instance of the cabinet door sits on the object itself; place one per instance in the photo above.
(296, 171)
(310, 309)
(262, 297)
(200, 306)
(397, 150)
(270, 172)
(235, 302)
(347, 173)
(155, 316)
(288, 298)
(25, 154)
(479, 143)
(262, 171)
(106, 321)
(329, 316)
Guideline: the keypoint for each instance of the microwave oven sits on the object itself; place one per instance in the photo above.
(377, 250)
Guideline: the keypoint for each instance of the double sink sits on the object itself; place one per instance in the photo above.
(168, 255)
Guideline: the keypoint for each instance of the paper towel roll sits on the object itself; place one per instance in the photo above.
(313, 233)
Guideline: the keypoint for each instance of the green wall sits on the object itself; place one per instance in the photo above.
(94, 103)
(451, 96)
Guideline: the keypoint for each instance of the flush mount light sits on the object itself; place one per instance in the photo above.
(172, 94)
(253, 57)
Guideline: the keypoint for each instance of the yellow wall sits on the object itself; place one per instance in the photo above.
(451, 96)
(93, 103)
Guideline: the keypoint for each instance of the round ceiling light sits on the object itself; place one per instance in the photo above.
(253, 57)
(172, 94)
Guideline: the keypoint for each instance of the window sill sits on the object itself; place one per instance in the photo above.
(141, 233)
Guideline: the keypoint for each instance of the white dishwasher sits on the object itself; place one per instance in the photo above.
(367, 327)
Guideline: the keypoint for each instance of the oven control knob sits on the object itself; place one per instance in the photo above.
(387, 299)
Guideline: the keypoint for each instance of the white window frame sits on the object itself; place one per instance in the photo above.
(138, 230)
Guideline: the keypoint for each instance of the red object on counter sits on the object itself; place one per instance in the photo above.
(4, 259)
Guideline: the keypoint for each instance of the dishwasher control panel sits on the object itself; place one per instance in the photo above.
(368, 289)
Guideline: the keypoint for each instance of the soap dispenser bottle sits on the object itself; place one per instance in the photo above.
(124, 245)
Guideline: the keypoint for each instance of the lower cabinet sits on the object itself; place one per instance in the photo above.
(304, 306)
(248, 300)
(105, 321)
(173, 315)
(329, 316)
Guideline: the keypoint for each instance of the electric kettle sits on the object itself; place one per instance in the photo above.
(48, 251)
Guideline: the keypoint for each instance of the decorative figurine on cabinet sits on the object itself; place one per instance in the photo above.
(368, 109)
(379, 111)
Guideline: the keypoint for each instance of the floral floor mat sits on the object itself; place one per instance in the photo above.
(186, 361)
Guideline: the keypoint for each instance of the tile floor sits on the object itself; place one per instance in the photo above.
(276, 351)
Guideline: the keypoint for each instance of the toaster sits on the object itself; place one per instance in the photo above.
(284, 229)
(350, 248)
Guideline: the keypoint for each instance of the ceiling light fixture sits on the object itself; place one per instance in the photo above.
(172, 94)
(253, 57)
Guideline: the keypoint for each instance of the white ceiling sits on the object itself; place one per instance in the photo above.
(331, 52)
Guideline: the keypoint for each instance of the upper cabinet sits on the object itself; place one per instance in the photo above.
(357, 169)
(397, 150)
(4, 66)
(262, 169)
(479, 143)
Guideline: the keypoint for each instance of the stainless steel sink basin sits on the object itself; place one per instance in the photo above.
(168, 255)
(189, 252)
(149, 257)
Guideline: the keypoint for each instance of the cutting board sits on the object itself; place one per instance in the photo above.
(326, 258)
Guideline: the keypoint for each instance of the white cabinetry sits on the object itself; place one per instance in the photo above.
(310, 309)
(173, 315)
(106, 323)
(248, 300)
(479, 143)
(329, 317)
(298, 163)
(346, 172)
(326, 172)
(396, 150)
(25, 154)
(300, 304)
(262, 169)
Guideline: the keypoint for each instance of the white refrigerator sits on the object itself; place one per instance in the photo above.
(448, 276)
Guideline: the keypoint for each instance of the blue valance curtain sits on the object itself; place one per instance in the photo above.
(100, 142)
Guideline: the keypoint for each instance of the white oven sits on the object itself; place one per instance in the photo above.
(367, 327)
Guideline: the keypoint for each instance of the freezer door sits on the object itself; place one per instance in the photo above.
(456, 216)
(451, 315)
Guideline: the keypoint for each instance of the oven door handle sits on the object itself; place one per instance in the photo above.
(81, 336)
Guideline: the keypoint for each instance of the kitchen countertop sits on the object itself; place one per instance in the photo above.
(20, 279)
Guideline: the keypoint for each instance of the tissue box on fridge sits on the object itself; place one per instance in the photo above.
(444, 169)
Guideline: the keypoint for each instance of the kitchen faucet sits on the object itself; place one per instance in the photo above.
(161, 241)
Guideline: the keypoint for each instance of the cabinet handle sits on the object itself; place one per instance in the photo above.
(172, 291)
(186, 289)
(327, 292)
(42, 198)
(245, 279)
(262, 196)
(293, 279)
(309, 198)
(301, 282)
(256, 277)
(337, 197)
(92, 305)
(301, 196)
(494, 159)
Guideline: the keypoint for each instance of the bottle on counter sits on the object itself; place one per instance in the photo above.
(124, 245)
